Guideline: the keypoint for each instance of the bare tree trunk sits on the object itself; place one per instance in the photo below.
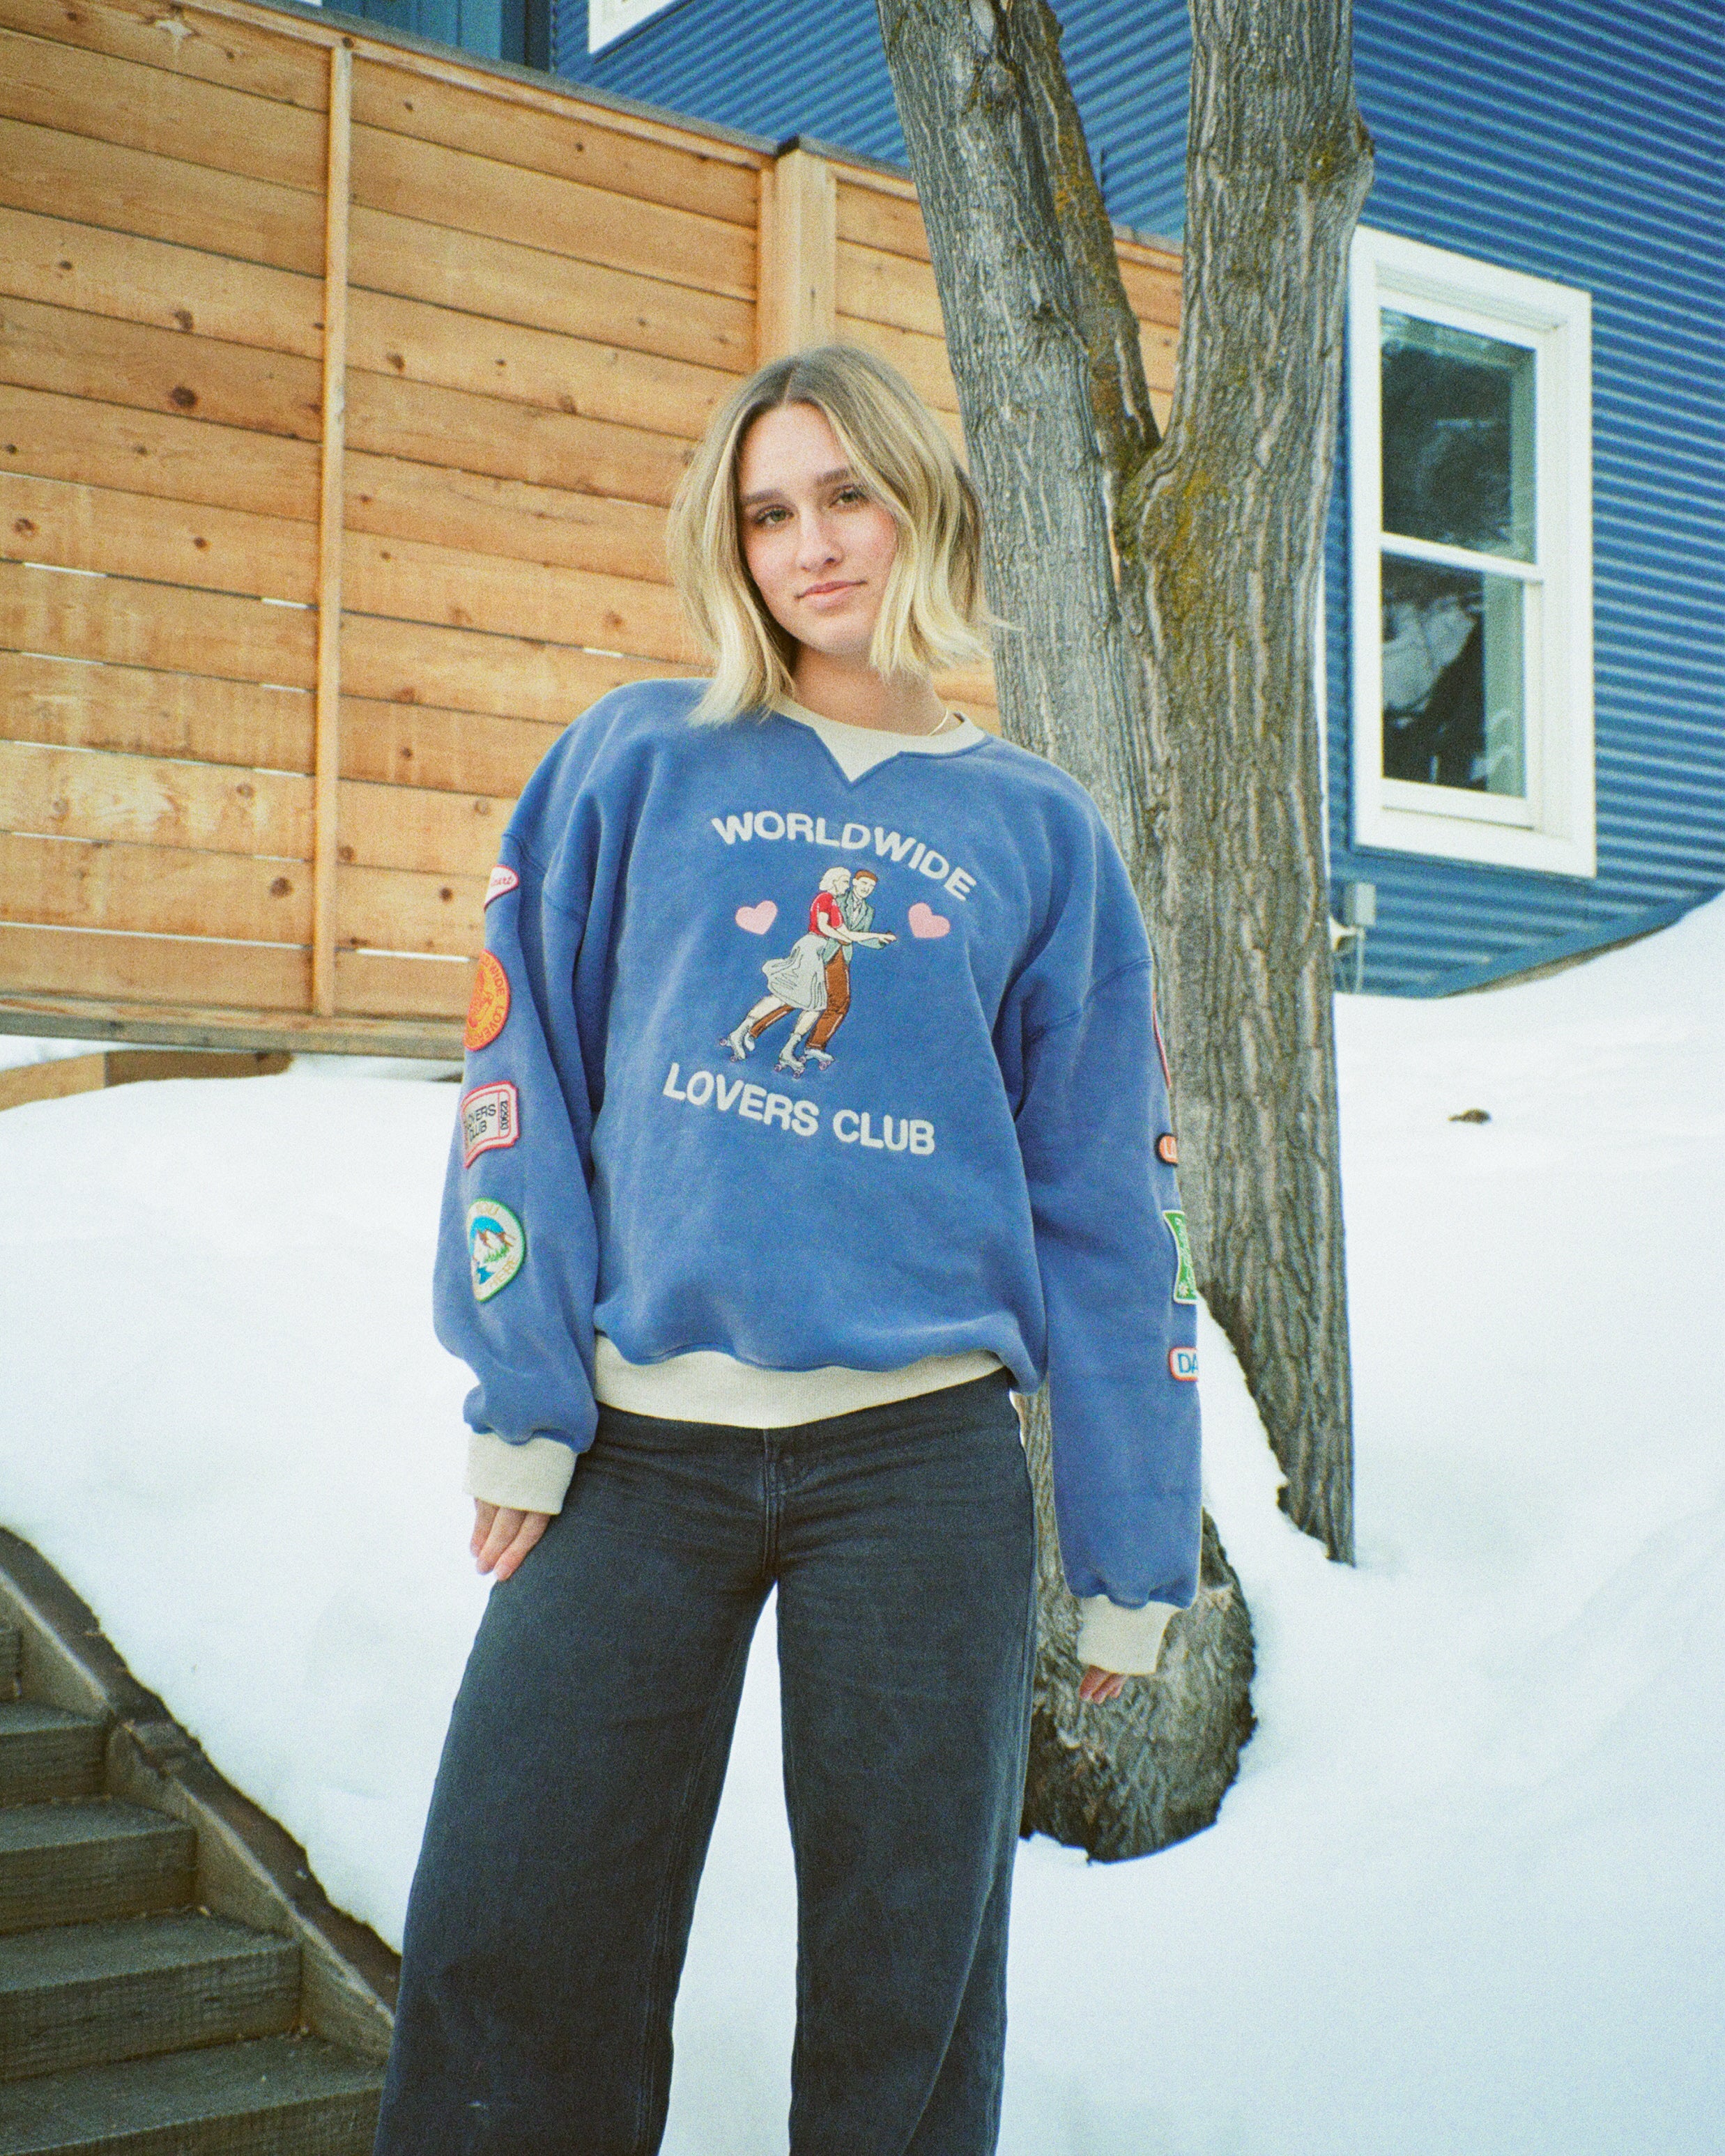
(1181, 697)
(1219, 536)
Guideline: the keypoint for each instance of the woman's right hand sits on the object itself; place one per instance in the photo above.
(502, 1536)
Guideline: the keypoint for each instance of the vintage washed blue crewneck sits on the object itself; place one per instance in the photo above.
(816, 1070)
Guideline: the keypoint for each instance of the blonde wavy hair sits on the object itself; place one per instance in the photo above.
(932, 611)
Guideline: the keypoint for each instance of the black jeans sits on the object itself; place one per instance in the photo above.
(551, 1905)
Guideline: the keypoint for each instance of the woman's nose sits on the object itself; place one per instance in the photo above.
(815, 542)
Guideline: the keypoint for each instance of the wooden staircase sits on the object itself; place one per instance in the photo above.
(133, 2020)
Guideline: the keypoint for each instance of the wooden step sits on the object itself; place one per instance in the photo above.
(284, 2096)
(77, 1863)
(47, 1752)
(87, 1994)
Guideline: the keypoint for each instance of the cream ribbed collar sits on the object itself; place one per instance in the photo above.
(858, 749)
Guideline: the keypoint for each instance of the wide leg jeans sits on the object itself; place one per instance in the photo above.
(576, 1796)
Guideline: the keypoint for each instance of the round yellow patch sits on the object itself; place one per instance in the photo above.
(488, 1011)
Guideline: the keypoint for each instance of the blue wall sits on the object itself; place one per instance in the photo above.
(1580, 143)
(1577, 141)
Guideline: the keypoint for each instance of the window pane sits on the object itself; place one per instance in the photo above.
(1454, 712)
(1458, 437)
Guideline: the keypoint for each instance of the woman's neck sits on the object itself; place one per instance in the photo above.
(855, 696)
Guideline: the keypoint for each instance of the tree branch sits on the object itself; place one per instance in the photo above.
(1127, 432)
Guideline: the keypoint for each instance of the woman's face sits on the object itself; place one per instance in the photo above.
(818, 544)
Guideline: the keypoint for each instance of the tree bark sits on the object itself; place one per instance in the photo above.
(1220, 534)
(1179, 693)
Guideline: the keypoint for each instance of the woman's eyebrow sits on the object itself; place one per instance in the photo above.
(777, 493)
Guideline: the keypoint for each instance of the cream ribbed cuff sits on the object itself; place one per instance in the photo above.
(524, 1478)
(1126, 1641)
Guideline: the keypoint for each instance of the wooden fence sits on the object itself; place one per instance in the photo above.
(343, 387)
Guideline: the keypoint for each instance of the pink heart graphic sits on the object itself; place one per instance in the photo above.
(925, 921)
(758, 919)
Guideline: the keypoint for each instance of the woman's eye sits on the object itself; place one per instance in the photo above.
(850, 494)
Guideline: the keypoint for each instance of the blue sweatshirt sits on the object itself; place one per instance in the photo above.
(695, 1116)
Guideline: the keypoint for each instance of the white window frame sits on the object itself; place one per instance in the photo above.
(1552, 828)
(607, 20)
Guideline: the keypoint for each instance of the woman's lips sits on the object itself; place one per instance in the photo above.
(830, 591)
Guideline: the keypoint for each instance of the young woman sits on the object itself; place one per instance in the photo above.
(732, 1337)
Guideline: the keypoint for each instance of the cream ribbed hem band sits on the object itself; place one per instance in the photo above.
(703, 1386)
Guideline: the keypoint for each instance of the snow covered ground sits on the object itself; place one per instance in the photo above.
(1468, 1896)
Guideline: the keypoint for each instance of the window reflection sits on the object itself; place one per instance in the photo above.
(1454, 711)
(1458, 437)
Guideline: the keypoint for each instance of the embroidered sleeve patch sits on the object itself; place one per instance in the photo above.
(1185, 1288)
(1167, 1151)
(489, 1010)
(502, 879)
(496, 1246)
(1183, 1363)
(490, 1119)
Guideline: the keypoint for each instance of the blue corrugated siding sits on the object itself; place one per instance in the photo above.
(1578, 143)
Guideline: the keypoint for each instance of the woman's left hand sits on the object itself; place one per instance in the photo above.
(1096, 1688)
(502, 1536)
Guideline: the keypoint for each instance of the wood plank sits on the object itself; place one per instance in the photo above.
(410, 827)
(158, 890)
(64, 1864)
(69, 703)
(395, 499)
(326, 744)
(124, 190)
(409, 580)
(887, 288)
(798, 249)
(396, 910)
(507, 281)
(68, 1075)
(135, 535)
(61, 264)
(458, 669)
(592, 224)
(1153, 286)
(146, 108)
(58, 1081)
(233, 51)
(151, 801)
(423, 423)
(376, 983)
(1160, 348)
(156, 625)
(921, 360)
(869, 217)
(221, 1025)
(964, 687)
(418, 342)
(471, 753)
(78, 1995)
(152, 969)
(149, 452)
(113, 362)
(714, 179)
(46, 1754)
(253, 2098)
